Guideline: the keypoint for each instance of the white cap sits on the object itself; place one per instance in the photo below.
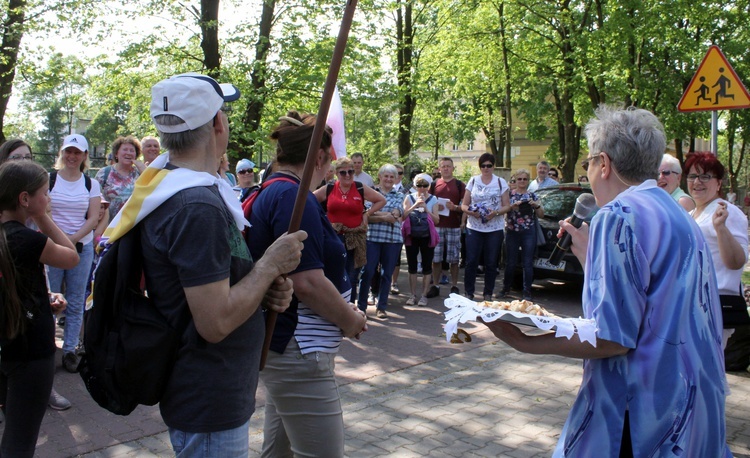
(192, 97)
(423, 176)
(76, 141)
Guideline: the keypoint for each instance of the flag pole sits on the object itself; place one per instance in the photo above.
(317, 136)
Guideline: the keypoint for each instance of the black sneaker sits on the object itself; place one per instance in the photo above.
(70, 362)
(61, 321)
(454, 290)
(434, 291)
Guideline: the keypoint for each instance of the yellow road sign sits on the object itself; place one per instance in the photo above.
(715, 86)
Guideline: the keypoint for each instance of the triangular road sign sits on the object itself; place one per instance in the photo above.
(715, 86)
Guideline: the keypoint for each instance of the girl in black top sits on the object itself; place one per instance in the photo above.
(27, 345)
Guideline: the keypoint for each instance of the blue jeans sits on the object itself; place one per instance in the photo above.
(230, 442)
(75, 280)
(385, 254)
(478, 243)
(526, 240)
(351, 272)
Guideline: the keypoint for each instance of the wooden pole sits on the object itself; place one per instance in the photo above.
(312, 151)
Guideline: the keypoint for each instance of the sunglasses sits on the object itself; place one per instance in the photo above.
(423, 186)
(522, 179)
(243, 172)
(666, 173)
(553, 175)
(346, 172)
(703, 177)
(400, 173)
(487, 166)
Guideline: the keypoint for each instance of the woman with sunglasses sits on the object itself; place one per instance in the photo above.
(725, 230)
(245, 179)
(520, 226)
(345, 207)
(670, 175)
(485, 203)
(422, 212)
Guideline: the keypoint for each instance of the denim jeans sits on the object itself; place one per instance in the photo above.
(230, 442)
(478, 243)
(385, 255)
(526, 240)
(75, 280)
(351, 272)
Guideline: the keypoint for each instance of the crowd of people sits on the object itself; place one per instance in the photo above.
(653, 381)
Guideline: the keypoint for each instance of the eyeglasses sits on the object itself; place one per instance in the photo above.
(26, 157)
(487, 166)
(585, 163)
(703, 177)
(666, 173)
(226, 108)
(346, 172)
(242, 172)
(423, 186)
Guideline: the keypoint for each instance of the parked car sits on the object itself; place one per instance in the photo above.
(558, 203)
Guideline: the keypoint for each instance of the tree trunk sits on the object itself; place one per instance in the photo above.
(507, 113)
(210, 37)
(257, 100)
(407, 104)
(13, 28)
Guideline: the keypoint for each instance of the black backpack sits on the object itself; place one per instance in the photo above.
(420, 227)
(53, 179)
(130, 346)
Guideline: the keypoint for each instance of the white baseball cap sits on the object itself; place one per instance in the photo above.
(76, 141)
(192, 97)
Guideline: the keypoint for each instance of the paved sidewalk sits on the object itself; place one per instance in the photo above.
(405, 393)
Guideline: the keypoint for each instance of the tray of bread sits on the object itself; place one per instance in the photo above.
(462, 310)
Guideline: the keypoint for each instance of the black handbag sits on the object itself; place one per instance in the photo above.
(734, 311)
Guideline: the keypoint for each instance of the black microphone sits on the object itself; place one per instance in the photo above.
(585, 206)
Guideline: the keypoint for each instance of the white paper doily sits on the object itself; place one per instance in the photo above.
(462, 309)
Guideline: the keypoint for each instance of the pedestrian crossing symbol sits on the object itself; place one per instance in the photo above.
(715, 86)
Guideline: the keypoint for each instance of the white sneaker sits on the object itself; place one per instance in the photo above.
(411, 301)
(422, 302)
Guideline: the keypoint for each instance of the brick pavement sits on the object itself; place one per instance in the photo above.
(405, 392)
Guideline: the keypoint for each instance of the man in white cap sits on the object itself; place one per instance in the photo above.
(245, 178)
(196, 261)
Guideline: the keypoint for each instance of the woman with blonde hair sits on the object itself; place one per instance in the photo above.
(74, 200)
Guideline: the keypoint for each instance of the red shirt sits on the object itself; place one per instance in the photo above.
(449, 190)
(345, 208)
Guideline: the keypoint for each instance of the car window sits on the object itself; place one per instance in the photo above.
(559, 203)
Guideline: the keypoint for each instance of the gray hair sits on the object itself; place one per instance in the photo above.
(181, 141)
(633, 138)
(672, 162)
(388, 168)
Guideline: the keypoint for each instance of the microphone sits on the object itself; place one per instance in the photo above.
(585, 206)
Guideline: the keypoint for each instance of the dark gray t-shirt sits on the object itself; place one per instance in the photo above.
(191, 240)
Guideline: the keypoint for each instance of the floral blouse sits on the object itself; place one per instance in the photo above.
(523, 218)
(116, 188)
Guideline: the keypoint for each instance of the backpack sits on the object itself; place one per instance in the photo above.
(53, 179)
(131, 347)
(329, 188)
(420, 228)
(247, 205)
